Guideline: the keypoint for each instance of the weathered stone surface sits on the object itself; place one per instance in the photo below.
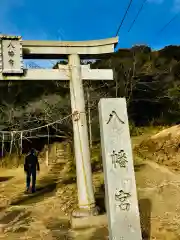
(11, 60)
(54, 49)
(88, 222)
(120, 186)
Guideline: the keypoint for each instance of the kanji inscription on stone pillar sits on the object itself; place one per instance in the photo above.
(11, 60)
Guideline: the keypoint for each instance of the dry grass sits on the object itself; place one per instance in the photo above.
(162, 147)
(45, 215)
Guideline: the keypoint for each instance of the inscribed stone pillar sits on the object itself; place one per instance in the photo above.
(120, 186)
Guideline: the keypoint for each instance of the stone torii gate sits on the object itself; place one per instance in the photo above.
(12, 52)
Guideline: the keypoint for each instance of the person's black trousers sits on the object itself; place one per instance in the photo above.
(31, 174)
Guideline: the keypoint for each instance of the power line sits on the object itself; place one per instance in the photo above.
(164, 27)
(136, 17)
(167, 24)
(124, 17)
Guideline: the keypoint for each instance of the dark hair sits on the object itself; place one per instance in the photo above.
(32, 151)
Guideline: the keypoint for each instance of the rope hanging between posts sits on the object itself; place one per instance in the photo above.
(38, 128)
(22, 133)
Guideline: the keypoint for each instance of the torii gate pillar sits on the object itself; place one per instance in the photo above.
(81, 143)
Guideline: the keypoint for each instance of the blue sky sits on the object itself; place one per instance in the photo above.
(93, 19)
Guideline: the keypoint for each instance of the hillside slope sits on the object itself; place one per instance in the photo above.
(163, 148)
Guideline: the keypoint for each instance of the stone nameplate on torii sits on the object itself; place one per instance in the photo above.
(11, 61)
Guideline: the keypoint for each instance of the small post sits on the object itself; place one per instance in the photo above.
(89, 118)
(47, 155)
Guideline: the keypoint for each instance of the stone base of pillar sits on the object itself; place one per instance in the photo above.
(83, 212)
(84, 218)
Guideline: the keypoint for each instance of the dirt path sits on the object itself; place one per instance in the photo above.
(45, 215)
(30, 215)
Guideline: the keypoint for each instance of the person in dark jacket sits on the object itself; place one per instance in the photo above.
(30, 166)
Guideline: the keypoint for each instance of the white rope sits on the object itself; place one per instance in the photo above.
(37, 128)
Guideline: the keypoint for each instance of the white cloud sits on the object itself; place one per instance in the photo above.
(176, 6)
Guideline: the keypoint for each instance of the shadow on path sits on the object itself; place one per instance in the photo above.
(69, 180)
(100, 199)
(145, 208)
(138, 167)
(46, 188)
(4, 179)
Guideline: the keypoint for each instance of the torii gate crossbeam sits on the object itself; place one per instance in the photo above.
(12, 52)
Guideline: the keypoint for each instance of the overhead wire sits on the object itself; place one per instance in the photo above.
(167, 24)
(137, 15)
(125, 14)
